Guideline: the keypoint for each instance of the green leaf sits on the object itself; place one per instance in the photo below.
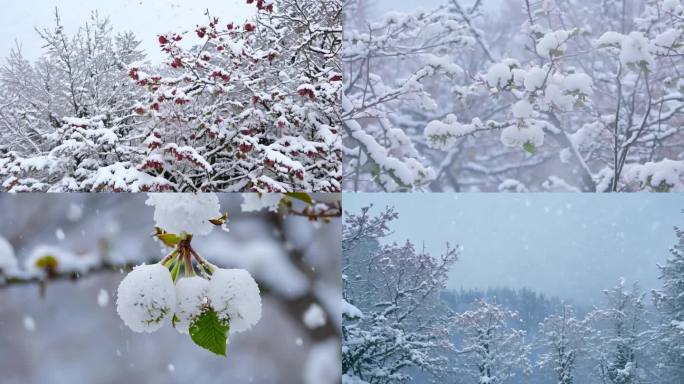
(169, 239)
(175, 320)
(529, 147)
(209, 332)
(301, 196)
(221, 220)
(176, 270)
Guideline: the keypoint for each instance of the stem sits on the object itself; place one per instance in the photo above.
(175, 270)
(168, 259)
(189, 270)
(202, 262)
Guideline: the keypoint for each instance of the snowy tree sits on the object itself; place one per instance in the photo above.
(379, 155)
(490, 350)
(393, 318)
(564, 339)
(248, 107)
(68, 114)
(670, 301)
(621, 349)
(584, 97)
(251, 106)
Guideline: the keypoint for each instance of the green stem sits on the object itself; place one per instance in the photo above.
(175, 270)
(168, 259)
(189, 270)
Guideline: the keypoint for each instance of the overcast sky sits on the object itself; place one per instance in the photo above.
(146, 18)
(568, 245)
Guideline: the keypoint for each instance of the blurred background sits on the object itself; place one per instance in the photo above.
(72, 333)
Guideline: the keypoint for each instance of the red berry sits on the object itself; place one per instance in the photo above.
(133, 74)
(177, 63)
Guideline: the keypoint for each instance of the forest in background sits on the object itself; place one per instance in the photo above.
(401, 324)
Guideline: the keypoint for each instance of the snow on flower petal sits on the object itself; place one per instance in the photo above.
(235, 297)
(146, 297)
(514, 136)
(522, 109)
(552, 44)
(185, 212)
(498, 75)
(191, 295)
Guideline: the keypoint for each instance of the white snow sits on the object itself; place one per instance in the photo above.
(534, 78)
(252, 202)
(59, 234)
(191, 295)
(103, 298)
(185, 212)
(578, 82)
(610, 38)
(678, 324)
(350, 379)
(515, 136)
(29, 323)
(511, 185)
(555, 95)
(636, 50)
(350, 310)
(666, 40)
(65, 261)
(146, 297)
(443, 135)
(657, 174)
(8, 261)
(314, 317)
(235, 297)
(552, 44)
(522, 109)
(498, 75)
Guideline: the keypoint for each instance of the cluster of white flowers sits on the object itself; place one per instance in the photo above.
(147, 297)
(151, 295)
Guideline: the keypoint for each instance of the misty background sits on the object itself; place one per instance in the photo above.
(567, 245)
